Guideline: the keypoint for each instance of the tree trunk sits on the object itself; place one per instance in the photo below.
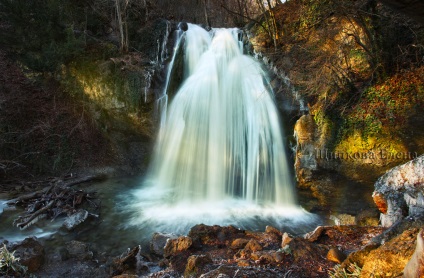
(122, 31)
(205, 5)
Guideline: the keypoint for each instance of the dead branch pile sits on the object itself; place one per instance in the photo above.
(58, 198)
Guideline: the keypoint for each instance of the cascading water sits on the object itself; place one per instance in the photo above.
(220, 155)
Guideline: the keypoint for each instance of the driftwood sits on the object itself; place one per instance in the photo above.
(58, 197)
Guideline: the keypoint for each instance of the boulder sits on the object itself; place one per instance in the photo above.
(390, 258)
(30, 253)
(131, 262)
(239, 243)
(400, 192)
(214, 235)
(74, 220)
(158, 242)
(253, 246)
(273, 230)
(335, 255)
(285, 240)
(177, 245)
(78, 250)
(195, 265)
(343, 219)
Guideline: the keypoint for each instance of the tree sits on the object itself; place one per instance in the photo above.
(121, 15)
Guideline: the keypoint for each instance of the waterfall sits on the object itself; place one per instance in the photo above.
(221, 138)
(219, 157)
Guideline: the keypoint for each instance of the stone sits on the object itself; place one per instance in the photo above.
(253, 246)
(279, 256)
(132, 261)
(158, 242)
(315, 234)
(183, 26)
(335, 255)
(243, 263)
(305, 251)
(358, 257)
(272, 230)
(399, 192)
(195, 265)
(78, 250)
(369, 217)
(214, 235)
(410, 222)
(30, 253)
(390, 259)
(239, 243)
(343, 219)
(415, 266)
(267, 258)
(223, 271)
(352, 237)
(177, 245)
(74, 220)
(285, 240)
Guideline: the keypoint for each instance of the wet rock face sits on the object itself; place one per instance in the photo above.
(30, 253)
(306, 162)
(400, 191)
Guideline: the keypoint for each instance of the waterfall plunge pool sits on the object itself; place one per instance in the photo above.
(126, 221)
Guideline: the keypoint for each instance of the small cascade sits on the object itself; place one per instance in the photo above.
(162, 99)
(162, 51)
(148, 82)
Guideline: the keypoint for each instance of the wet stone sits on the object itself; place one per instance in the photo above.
(253, 245)
(174, 246)
(335, 255)
(272, 230)
(285, 240)
(195, 265)
(239, 243)
(158, 242)
(30, 253)
(71, 222)
(78, 250)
